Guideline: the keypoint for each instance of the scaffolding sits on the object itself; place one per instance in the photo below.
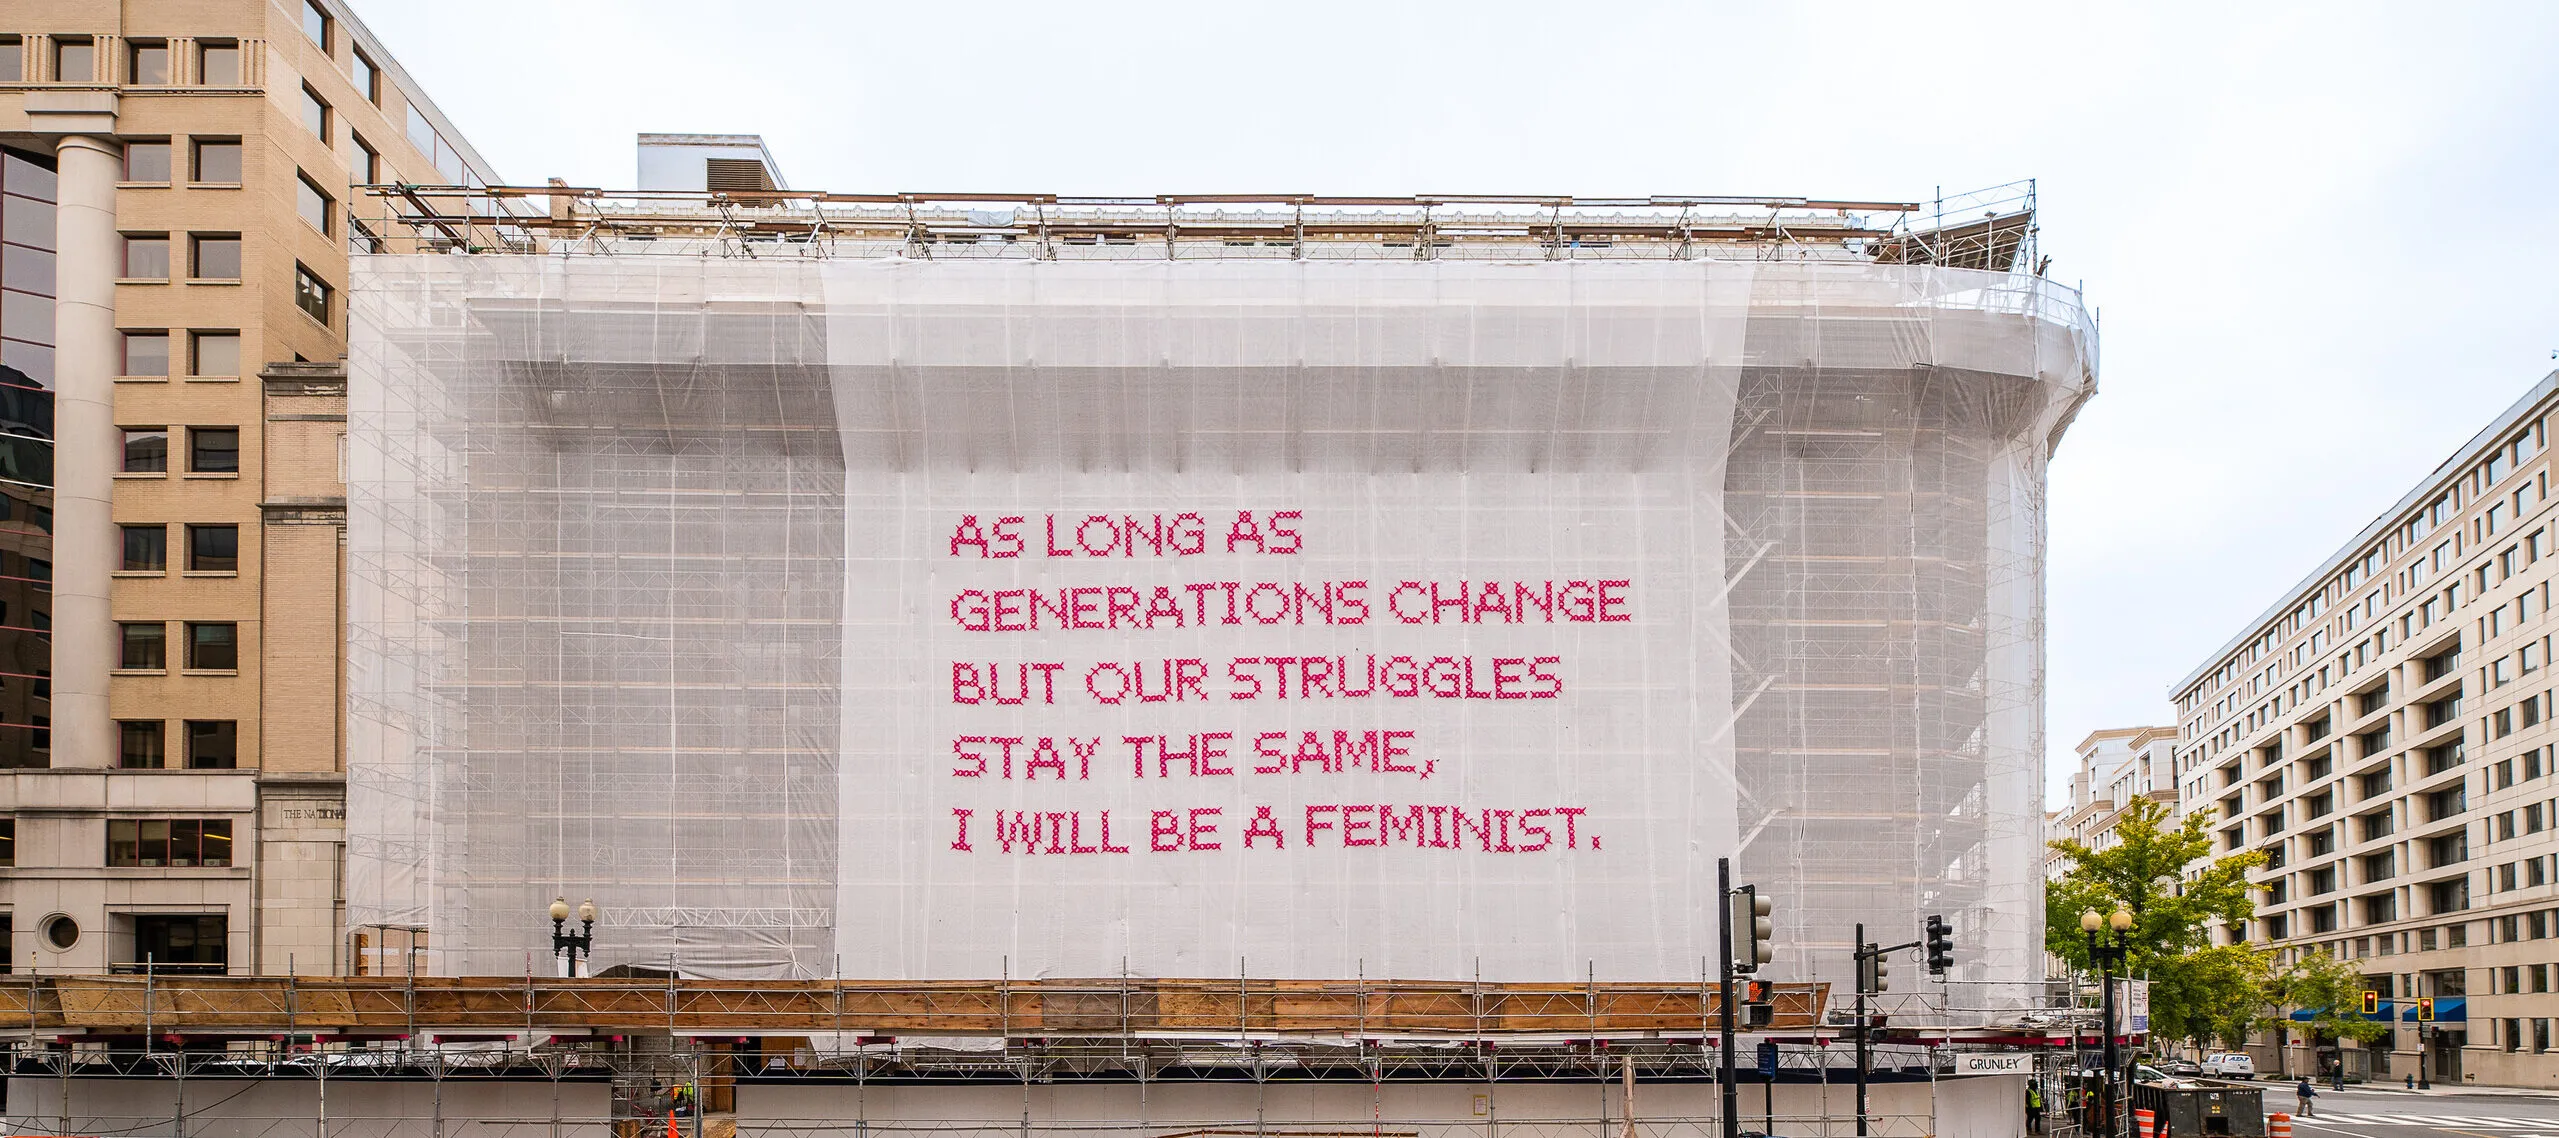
(268, 1057)
(618, 461)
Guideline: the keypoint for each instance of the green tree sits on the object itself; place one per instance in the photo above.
(2198, 990)
(2331, 991)
(2220, 992)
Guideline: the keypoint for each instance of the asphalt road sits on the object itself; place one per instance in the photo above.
(2361, 1113)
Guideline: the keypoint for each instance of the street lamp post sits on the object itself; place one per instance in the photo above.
(2104, 952)
(572, 944)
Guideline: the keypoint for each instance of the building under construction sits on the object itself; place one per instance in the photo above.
(1355, 626)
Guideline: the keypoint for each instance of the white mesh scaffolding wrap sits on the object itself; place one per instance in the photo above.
(680, 582)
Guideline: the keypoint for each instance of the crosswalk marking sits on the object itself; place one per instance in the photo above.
(2497, 1122)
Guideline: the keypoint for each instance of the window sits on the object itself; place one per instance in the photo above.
(144, 748)
(315, 114)
(146, 256)
(217, 258)
(146, 549)
(2503, 720)
(145, 647)
(2443, 758)
(315, 23)
(75, 60)
(217, 65)
(2381, 909)
(146, 354)
(2323, 919)
(213, 646)
(368, 78)
(13, 60)
(8, 856)
(2442, 711)
(146, 162)
(198, 945)
(214, 354)
(2448, 849)
(2449, 896)
(2442, 663)
(147, 63)
(421, 132)
(213, 549)
(213, 745)
(311, 294)
(217, 162)
(368, 162)
(146, 450)
(2379, 867)
(2368, 702)
(2372, 742)
(213, 450)
(179, 842)
(311, 203)
(2445, 803)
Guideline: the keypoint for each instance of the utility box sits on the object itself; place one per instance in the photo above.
(2200, 1111)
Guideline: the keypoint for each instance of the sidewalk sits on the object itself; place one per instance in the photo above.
(2440, 1089)
(2270, 1086)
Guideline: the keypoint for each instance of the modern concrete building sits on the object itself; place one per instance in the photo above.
(2116, 765)
(2382, 732)
(175, 193)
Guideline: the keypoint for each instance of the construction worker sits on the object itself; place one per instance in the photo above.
(2034, 1105)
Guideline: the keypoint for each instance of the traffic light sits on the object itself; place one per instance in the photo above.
(1753, 932)
(1941, 945)
(1872, 975)
(1757, 1010)
(2372, 1002)
(2425, 1009)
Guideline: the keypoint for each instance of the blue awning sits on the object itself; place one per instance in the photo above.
(2448, 1009)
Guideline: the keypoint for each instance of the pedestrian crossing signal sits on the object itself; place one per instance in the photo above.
(2372, 1003)
(2425, 1009)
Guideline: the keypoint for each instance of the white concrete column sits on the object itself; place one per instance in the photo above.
(87, 450)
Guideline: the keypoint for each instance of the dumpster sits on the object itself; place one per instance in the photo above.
(2197, 1111)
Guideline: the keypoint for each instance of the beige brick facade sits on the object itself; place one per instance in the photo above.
(251, 739)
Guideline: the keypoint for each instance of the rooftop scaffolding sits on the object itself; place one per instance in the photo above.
(1991, 229)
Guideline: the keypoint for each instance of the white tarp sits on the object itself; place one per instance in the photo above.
(1307, 618)
(1478, 608)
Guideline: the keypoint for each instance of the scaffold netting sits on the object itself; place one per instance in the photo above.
(904, 618)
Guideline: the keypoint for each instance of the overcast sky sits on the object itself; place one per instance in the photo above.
(2324, 242)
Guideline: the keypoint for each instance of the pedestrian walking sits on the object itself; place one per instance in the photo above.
(2306, 1095)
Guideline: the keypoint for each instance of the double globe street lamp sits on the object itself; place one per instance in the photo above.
(572, 944)
(2105, 952)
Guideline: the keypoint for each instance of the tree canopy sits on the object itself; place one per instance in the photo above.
(2332, 992)
(2198, 990)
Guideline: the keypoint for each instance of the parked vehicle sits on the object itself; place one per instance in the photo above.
(2230, 1065)
(2182, 1068)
